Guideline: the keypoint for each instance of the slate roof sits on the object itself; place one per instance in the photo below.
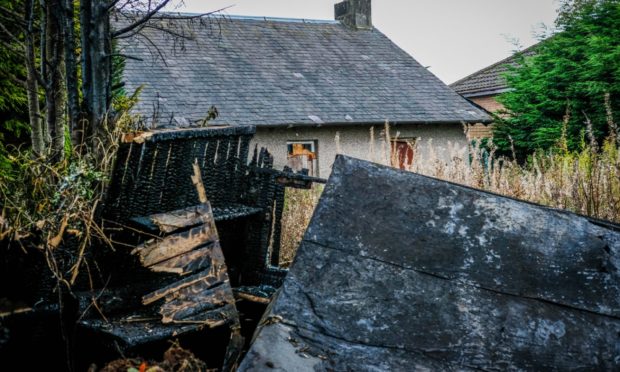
(282, 72)
(490, 80)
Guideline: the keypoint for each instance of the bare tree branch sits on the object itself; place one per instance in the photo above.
(169, 31)
(142, 20)
(120, 9)
(112, 4)
(161, 55)
(124, 56)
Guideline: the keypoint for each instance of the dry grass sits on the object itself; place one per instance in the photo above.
(586, 182)
(298, 208)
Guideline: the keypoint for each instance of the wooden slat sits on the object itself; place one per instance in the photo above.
(215, 274)
(171, 222)
(191, 262)
(226, 314)
(156, 251)
(252, 298)
(194, 300)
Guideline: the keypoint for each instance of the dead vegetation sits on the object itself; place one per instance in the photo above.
(585, 181)
(45, 204)
(298, 208)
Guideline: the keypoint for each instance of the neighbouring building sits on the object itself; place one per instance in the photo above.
(302, 83)
(484, 86)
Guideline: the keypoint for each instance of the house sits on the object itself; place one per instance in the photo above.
(484, 86)
(302, 83)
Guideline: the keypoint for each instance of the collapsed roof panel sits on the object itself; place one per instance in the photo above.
(398, 270)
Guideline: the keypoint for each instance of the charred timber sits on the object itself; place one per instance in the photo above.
(426, 274)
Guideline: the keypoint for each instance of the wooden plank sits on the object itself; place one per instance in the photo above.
(252, 298)
(193, 300)
(194, 289)
(197, 181)
(216, 274)
(226, 314)
(156, 251)
(171, 222)
(192, 261)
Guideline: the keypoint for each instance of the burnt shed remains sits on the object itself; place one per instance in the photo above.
(195, 226)
(153, 175)
(426, 274)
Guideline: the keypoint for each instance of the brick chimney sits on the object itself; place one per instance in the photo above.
(354, 13)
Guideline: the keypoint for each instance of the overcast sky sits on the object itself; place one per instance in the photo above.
(454, 37)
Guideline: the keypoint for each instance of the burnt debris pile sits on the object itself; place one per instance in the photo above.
(396, 271)
(196, 219)
(188, 219)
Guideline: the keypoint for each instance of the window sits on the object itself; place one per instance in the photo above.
(303, 155)
(402, 153)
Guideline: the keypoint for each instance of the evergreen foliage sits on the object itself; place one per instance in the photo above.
(573, 79)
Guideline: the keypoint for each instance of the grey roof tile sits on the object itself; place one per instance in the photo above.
(491, 79)
(265, 72)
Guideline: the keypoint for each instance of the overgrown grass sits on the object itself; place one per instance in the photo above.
(298, 208)
(585, 181)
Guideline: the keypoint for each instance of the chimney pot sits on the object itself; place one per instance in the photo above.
(356, 14)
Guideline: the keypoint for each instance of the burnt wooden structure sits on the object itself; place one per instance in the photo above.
(153, 175)
(398, 271)
(190, 218)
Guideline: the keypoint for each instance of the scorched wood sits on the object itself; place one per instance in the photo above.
(426, 274)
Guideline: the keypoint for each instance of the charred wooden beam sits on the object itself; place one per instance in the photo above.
(290, 179)
(173, 221)
(207, 279)
(194, 133)
(155, 251)
(189, 262)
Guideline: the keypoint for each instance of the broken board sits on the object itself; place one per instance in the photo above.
(399, 271)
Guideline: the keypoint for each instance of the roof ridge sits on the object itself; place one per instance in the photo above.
(252, 18)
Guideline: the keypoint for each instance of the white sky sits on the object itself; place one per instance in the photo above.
(454, 37)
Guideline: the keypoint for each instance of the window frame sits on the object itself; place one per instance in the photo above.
(314, 145)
